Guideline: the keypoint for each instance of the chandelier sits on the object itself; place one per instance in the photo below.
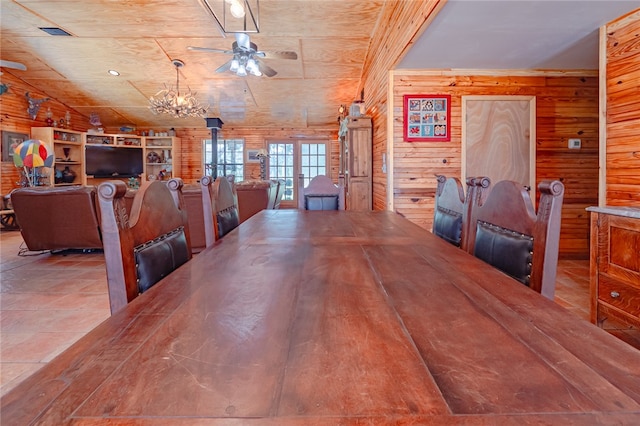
(172, 102)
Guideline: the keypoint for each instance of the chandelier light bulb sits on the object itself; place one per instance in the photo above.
(242, 71)
(237, 10)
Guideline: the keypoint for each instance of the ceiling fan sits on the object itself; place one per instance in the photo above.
(11, 64)
(245, 57)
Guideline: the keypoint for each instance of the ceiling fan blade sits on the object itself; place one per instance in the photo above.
(283, 54)
(14, 65)
(209, 49)
(224, 67)
(266, 70)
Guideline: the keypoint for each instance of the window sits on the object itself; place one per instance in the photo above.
(230, 158)
(313, 160)
(288, 159)
(281, 166)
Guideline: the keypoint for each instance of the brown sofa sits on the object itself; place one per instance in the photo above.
(57, 218)
(257, 195)
(60, 218)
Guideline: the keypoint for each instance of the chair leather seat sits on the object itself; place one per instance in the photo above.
(447, 225)
(321, 202)
(158, 258)
(508, 251)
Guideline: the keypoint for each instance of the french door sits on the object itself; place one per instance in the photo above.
(289, 159)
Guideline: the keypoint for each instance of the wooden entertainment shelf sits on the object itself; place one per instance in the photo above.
(160, 154)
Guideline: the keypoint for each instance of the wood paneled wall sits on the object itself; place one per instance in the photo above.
(400, 25)
(567, 107)
(14, 118)
(255, 138)
(623, 112)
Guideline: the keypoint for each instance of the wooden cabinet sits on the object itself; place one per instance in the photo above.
(615, 265)
(356, 156)
(161, 157)
(68, 152)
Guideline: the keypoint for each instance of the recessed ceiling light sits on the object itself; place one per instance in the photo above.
(114, 72)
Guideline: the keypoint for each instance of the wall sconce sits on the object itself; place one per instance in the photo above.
(262, 155)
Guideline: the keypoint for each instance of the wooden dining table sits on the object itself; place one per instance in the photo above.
(340, 317)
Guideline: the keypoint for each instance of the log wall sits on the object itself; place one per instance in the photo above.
(400, 25)
(254, 138)
(622, 163)
(14, 118)
(566, 107)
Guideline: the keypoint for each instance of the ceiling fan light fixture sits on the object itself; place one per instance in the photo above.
(174, 103)
(251, 65)
(235, 64)
(246, 57)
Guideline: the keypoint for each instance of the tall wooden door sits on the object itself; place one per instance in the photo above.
(498, 138)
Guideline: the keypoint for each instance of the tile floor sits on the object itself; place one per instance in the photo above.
(49, 301)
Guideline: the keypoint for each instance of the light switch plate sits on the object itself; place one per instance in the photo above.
(575, 143)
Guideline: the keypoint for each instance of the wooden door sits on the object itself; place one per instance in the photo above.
(498, 135)
(359, 176)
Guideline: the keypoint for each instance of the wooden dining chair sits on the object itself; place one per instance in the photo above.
(448, 209)
(452, 207)
(219, 202)
(506, 232)
(321, 193)
(144, 246)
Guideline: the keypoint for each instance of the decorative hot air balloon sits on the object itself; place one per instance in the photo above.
(31, 155)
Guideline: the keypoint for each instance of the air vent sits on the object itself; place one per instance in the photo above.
(54, 31)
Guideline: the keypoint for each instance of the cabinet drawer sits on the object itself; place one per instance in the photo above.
(620, 295)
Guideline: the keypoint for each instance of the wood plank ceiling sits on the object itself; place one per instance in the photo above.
(139, 38)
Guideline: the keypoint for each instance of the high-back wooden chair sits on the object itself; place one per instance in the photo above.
(452, 207)
(448, 210)
(144, 246)
(220, 202)
(321, 193)
(506, 232)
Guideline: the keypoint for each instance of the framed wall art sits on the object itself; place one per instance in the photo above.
(426, 118)
(252, 156)
(10, 140)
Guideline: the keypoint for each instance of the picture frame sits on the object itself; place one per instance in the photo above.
(9, 141)
(252, 156)
(427, 118)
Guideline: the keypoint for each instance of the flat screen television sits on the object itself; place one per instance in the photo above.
(109, 161)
